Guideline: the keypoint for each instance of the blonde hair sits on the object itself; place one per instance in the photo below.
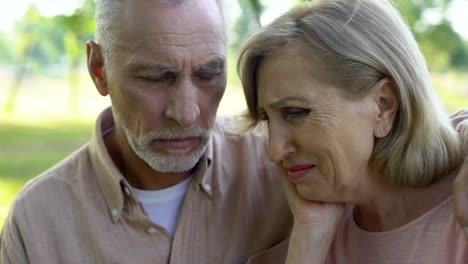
(362, 41)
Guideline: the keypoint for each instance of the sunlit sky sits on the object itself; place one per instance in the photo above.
(8, 15)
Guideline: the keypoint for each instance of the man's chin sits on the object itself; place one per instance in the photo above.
(174, 160)
(173, 164)
(179, 151)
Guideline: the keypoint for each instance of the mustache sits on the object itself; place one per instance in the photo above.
(174, 133)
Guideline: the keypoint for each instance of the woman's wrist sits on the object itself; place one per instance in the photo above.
(310, 242)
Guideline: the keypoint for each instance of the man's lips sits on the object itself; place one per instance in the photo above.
(179, 143)
(299, 171)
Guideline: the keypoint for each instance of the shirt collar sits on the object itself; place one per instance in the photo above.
(111, 181)
(204, 172)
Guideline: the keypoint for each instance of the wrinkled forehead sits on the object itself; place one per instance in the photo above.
(290, 72)
(150, 17)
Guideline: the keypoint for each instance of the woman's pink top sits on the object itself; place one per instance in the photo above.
(433, 238)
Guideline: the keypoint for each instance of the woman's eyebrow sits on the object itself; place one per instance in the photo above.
(289, 99)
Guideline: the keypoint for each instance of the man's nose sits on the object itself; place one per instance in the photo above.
(279, 144)
(183, 106)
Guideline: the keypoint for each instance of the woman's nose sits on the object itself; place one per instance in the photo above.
(279, 144)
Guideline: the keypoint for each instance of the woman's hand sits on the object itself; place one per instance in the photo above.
(314, 227)
(309, 213)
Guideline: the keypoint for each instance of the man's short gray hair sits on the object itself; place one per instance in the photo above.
(107, 26)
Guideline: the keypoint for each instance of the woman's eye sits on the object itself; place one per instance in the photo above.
(264, 116)
(295, 113)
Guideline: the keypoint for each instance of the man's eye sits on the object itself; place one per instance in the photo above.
(208, 76)
(164, 78)
(295, 113)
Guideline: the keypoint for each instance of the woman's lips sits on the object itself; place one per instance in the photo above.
(181, 143)
(299, 171)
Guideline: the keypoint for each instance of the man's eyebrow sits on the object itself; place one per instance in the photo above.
(151, 68)
(290, 99)
(215, 64)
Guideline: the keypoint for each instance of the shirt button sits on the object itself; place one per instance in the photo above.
(115, 212)
(152, 231)
(207, 187)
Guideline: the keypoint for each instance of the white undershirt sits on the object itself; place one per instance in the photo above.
(163, 206)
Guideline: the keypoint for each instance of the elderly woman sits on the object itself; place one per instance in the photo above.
(352, 118)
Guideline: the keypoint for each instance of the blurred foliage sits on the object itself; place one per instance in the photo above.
(6, 55)
(441, 45)
(59, 40)
(246, 24)
(40, 40)
(56, 44)
(37, 40)
(77, 28)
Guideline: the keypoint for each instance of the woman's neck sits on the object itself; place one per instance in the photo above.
(387, 207)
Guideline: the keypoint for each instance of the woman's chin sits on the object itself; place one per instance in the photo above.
(316, 194)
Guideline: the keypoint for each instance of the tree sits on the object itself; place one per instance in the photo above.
(5, 50)
(42, 41)
(247, 23)
(76, 29)
(441, 45)
(26, 39)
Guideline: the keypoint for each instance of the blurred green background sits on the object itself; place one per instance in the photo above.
(48, 103)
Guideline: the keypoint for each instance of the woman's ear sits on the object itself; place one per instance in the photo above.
(96, 67)
(387, 99)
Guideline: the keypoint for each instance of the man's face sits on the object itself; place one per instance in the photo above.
(166, 79)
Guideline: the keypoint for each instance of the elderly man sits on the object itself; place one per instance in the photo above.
(161, 181)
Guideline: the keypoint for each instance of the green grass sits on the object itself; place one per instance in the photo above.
(29, 148)
(8, 188)
(452, 89)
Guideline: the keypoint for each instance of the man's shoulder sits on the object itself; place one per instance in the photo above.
(230, 129)
(47, 186)
(240, 152)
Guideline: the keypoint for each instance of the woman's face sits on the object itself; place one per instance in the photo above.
(320, 138)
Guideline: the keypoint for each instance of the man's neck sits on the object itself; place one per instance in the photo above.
(138, 174)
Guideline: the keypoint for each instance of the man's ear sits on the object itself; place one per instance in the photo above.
(96, 67)
(387, 99)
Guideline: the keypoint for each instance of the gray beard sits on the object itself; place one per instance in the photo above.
(170, 160)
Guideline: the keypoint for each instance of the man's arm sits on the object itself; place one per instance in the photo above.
(12, 250)
(460, 184)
